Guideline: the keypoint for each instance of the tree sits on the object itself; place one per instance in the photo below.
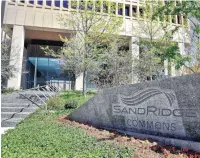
(149, 64)
(90, 27)
(71, 56)
(7, 70)
(9, 64)
(189, 10)
(114, 65)
(155, 41)
(197, 63)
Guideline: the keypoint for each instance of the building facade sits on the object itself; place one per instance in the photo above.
(33, 23)
(195, 39)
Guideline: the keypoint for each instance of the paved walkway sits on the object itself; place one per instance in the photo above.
(14, 109)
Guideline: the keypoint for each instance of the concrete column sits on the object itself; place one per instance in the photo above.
(24, 74)
(35, 72)
(134, 48)
(123, 9)
(173, 71)
(181, 46)
(2, 35)
(16, 56)
(166, 68)
(138, 9)
(116, 11)
(79, 79)
(79, 83)
(131, 10)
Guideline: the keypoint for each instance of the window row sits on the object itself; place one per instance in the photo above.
(115, 8)
(56, 3)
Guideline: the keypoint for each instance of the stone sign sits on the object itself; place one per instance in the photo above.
(167, 110)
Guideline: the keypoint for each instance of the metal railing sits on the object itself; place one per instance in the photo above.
(40, 94)
(61, 84)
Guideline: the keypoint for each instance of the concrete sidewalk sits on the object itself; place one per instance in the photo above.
(14, 109)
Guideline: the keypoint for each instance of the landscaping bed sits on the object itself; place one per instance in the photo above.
(141, 148)
(49, 134)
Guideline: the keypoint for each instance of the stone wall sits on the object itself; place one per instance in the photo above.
(167, 110)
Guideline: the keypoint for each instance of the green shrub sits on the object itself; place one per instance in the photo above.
(55, 103)
(8, 90)
(70, 94)
(91, 92)
(68, 100)
(71, 103)
(78, 92)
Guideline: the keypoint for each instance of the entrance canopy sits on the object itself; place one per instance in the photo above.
(47, 66)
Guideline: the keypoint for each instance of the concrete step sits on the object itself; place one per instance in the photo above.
(18, 109)
(14, 105)
(24, 105)
(15, 108)
(15, 100)
(11, 122)
(7, 115)
(36, 93)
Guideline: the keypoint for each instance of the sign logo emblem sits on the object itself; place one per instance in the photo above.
(144, 95)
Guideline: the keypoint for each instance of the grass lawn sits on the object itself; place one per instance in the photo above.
(42, 135)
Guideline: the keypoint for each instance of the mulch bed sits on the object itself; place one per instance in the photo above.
(143, 148)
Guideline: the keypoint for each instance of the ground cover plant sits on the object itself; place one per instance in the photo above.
(68, 99)
(42, 135)
(8, 90)
(51, 135)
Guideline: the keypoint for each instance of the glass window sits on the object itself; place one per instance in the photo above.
(48, 2)
(120, 10)
(167, 18)
(113, 7)
(173, 19)
(57, 3)
(105, 7)
(179, 19)
(127, 10)
(82, 5)
(90, 5)
(134, 11)
(185, 20)
(65, 3)
(31, 1)
(73, 4)
(97, 6)
(141, 12)
(40, 2)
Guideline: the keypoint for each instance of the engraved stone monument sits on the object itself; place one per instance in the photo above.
(167, 110)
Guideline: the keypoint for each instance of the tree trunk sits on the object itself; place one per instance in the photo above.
(73, 84)
(169, 67)
(84, 83)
